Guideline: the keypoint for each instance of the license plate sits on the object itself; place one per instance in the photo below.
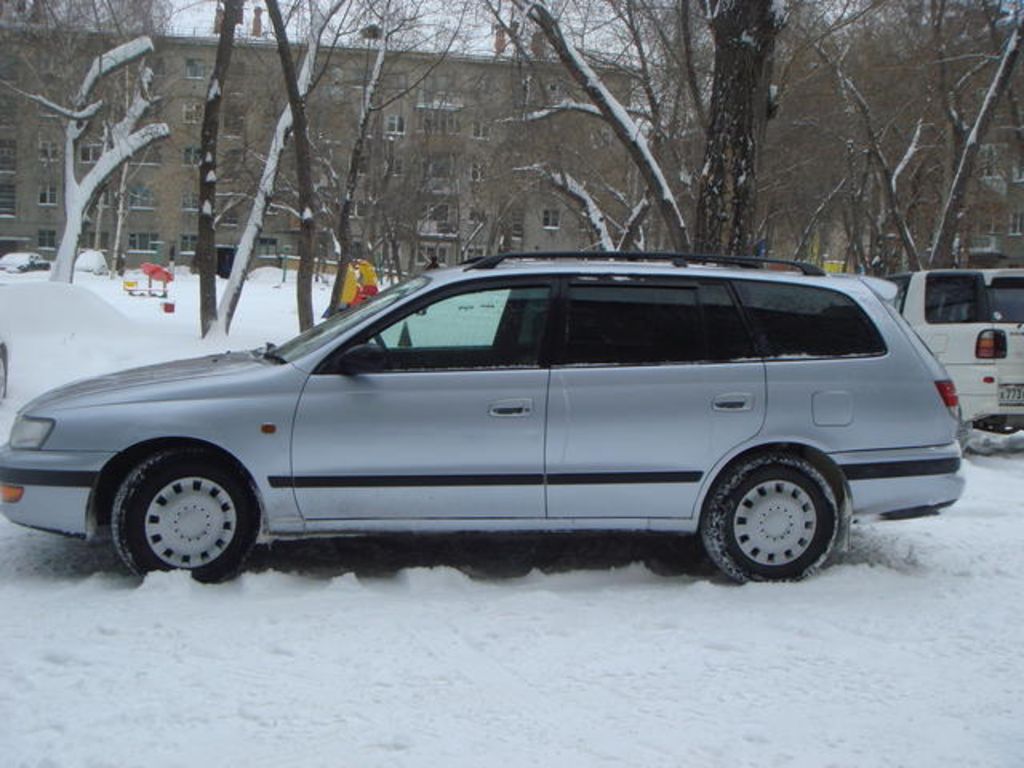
(1011, 394)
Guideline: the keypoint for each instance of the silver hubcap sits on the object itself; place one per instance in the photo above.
(775, 522)
(190, 522)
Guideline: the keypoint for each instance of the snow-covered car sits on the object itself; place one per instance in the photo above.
(973, 322)
(23, 261)
(519, 393)
(92, 261)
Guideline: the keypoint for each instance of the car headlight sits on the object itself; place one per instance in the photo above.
(30, 432)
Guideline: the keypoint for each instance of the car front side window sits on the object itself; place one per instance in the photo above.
(494, 328)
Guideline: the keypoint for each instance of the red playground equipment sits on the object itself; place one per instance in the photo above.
(152, 272)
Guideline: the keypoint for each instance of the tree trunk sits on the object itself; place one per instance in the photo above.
(206, 244)
(206, 248)
(303, 170)
(744, 34)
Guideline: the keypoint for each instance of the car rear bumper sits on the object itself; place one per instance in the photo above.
(55, 488)
(889, 483)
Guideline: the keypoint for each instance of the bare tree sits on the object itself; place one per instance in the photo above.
(320, 19)
(123, 140)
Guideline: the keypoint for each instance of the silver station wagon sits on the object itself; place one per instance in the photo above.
(758, 408)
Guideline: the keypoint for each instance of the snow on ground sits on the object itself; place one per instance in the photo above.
(904, 653)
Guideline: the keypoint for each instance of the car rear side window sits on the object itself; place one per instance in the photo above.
(632, 325)
(953, 298)
(802, 321)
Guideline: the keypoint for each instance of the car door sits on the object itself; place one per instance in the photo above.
(643, 402)
(452, 427)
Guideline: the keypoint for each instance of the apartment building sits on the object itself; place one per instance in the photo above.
(450, 169)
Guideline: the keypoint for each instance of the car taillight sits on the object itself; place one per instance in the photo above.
(947, 391)
(991, 345)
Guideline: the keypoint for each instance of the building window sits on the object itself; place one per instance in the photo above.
(49, 151)
(143, 242)
(551, 218)
(438, 213)
(8, 200)
(987, 161)
(188, 244)
(46, 239)
(266, 246)
(476, 215)
(8, 155)
(440, 166)
(358, 209)
(8, 110)
(192, 113)
(195, 69)
(394, 125)
(481, 130)
(230, 218)
(516, 227)
(140, 198)
(48, 194)
(190, 201)
(439, 121)
(397, 166)
(90, 153)
(192, 155)
(476, 171)
(1017, 223)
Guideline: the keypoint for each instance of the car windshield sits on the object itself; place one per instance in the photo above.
(1006, 298)
(336, 325)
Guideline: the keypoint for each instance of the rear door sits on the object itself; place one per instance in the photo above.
(1006, 303)
(655, 381)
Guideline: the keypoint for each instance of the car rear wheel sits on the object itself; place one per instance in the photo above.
(773, 517)
(185, 509)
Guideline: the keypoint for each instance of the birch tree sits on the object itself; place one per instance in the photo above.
(123, 139)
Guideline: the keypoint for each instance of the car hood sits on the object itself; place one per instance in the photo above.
(147, 382)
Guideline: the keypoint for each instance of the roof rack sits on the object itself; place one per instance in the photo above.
(677, 259)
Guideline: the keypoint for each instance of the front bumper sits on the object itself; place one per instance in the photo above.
(884, 483)
(57, 486)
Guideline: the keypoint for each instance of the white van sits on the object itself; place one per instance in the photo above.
(973, 322)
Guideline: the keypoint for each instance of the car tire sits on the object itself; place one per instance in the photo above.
(185, 509)
(773, 517)
(3, 371)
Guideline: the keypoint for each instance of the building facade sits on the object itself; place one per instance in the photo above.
(450, 169)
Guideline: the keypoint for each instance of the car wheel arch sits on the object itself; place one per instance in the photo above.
(117, 469)
(816, 457)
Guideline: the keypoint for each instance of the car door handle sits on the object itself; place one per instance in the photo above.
(507, 408)
(733, 401)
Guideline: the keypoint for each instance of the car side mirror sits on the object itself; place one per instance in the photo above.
(362, 358)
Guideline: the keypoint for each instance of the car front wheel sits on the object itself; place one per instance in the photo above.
(773, 517)
(185, 509)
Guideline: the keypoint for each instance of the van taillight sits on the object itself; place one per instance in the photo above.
(991, 345)
(947, 391)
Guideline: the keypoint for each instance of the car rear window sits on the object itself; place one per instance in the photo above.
(1006, 299)
(802, 321)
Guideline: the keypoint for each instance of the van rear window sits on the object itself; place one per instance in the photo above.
(800, 321)
(1006, 299)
